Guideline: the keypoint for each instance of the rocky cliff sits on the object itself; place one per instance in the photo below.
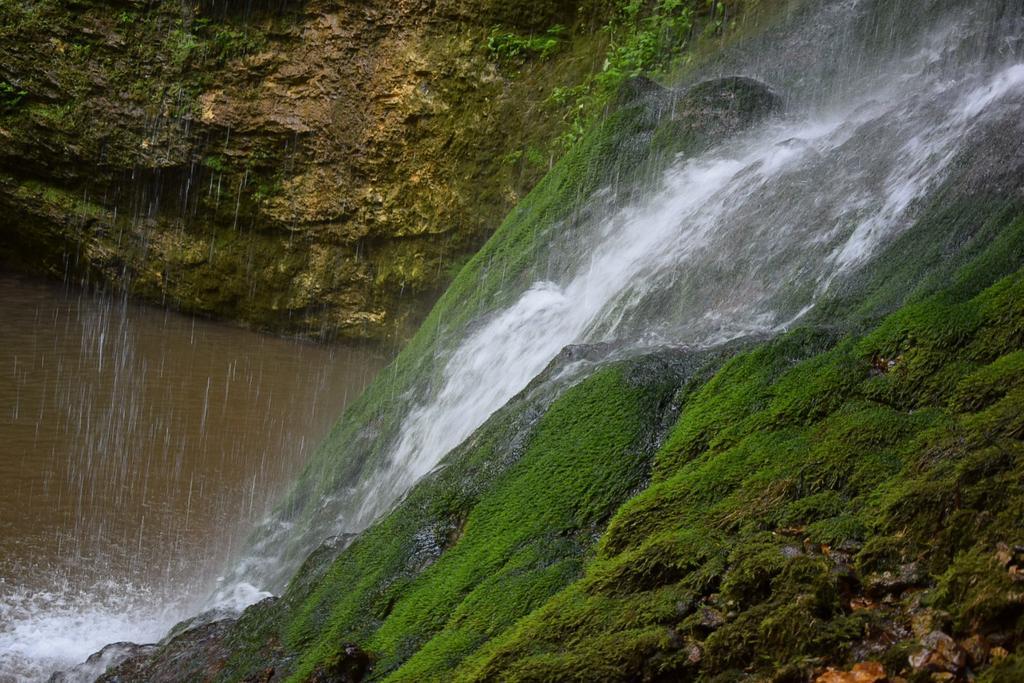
(313, 167)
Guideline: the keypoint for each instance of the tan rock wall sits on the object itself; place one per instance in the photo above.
(319, 168)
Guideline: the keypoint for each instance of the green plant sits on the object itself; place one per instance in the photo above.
(215, 162)
(180, 46)
(507, 46)
(643, 39)
(10, 96)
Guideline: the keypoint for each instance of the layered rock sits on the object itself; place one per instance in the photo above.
(313, 167)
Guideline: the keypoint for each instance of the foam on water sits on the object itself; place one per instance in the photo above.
(42, 632)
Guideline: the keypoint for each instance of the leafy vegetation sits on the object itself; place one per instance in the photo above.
(508, 46)
(639, 37)
(10, 96)
(644, 38)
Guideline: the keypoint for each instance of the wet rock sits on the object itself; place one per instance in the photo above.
(702, 114)
(348, 666)
(889, 583)
(195, 655)
(711, 618)
(99, 662)
(865, 672)
(731, 103)
(430, 542)
(684, 607)
(791, 551)
(586, 352)
(939, 653)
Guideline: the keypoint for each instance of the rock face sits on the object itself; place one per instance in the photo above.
(314, 167)
(110, 656)
(195, 655)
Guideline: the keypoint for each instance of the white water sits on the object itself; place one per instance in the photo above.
(50, 630)
(46, 631)
(744, 239)
(712, 211)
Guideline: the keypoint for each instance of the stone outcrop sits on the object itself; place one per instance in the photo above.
(313, 167)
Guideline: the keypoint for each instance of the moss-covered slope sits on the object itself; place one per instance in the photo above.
(863, 503)
(820, 500)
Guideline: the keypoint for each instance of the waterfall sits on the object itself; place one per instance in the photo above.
(751, 235)
(746, 238)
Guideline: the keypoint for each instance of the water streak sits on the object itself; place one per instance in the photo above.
(137, 447)
(740, 241)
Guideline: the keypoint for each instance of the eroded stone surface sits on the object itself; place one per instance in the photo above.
(320, 169)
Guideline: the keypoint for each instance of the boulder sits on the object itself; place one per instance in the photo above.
(939, 653)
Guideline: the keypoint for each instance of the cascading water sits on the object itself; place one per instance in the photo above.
(704, 221)
(744, 239)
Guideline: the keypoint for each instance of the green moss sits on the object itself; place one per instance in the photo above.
(485, 540)
(761, 458)
(981, 594)
(523, 540)
(1009, 670)
(718, 413)
(509, 46)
